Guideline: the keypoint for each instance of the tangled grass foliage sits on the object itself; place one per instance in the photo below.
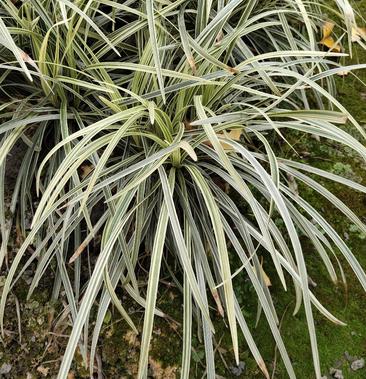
(133, 115)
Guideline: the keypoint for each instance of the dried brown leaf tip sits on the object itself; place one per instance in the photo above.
(219, 37)
(266, 279)
(358, 34)
(233, 70)
(187, 125)
(192, 64)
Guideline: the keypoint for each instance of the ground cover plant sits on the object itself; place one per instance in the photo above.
(150, 130)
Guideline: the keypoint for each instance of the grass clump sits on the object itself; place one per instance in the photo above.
(149, 131)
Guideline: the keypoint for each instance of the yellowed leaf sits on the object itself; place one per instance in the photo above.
(234, 134)
(327, 40)
(327, 28)
(331, 44)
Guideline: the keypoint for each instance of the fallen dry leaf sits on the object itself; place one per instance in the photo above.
(85, 170)
(327, 39)
(233, 135)
(43, 370)
(331, 44)
(327, 28)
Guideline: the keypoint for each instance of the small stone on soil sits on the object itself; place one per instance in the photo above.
(238, 370)
(358, 364)
(336, 374)
(5, 368)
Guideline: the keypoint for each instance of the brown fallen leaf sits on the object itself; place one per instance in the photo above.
(234, 135)
(85, 170)
(331, 44)
(43, 370)
(327, 39)
(327, 28)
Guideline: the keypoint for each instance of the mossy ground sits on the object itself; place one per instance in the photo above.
(348, 304)
(38, 355)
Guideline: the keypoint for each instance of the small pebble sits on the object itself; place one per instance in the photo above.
(5, 368)
(336, 374)
(238, 370)
(358, 364)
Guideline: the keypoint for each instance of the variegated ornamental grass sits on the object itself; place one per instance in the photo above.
(137, 111)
